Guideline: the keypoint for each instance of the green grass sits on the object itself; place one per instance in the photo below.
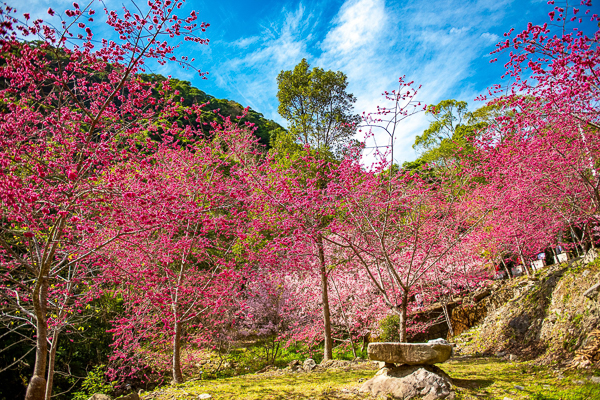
(493, 378)
(252, 358)
(475, 378)
(323, 385)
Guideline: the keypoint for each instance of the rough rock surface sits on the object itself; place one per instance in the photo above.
(410, 353)
(130, 396)
(548, 319)
(100, 396)
(309, 364)
(407, 382)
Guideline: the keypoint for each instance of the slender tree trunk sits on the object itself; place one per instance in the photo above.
(575, 240)
(589, 232)
(555, 255)
(365, 342)
(402, 317)
(177, 375)
(345, 318)
(522, 258)
(51, 363)
(328, 349)
(36, 390)
(508, 274)
(447, 315)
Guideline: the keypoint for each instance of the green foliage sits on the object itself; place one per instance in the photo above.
(94, 382)
(266, 129)
(318, 108)
(390, 328)
(448, 136)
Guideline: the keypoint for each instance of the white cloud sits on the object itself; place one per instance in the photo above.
(358, 24)
(243, 43)
(490, 37)
(459, 31)
(280, 46)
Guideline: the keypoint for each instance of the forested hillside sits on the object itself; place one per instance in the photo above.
(215, 109)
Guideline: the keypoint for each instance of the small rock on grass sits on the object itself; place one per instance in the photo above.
(309, 365)
(204, 396)
(595, 379)
(519, 387)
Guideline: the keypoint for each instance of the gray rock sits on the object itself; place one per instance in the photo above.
(407, 382)
(590, 256)
(519, 387)
(512, 357)
(592, 293)
(204, 396)
(309, 364)
(439, 341)
(130, 396)
(100, 396)
(410, 353)
(595, 379)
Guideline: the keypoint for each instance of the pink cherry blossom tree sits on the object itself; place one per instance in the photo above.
(63, 131)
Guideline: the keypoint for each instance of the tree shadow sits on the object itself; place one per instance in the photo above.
(472, 383)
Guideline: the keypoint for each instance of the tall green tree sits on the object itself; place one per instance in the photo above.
(318, 108)
(447, 139)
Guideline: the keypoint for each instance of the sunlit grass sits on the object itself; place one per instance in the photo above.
(474, 378)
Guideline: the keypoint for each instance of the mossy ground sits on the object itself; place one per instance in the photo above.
(475, 378)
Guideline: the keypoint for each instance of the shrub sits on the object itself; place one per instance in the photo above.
(390, 328)
(94, 382)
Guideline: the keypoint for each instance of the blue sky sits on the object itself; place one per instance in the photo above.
(442, 45)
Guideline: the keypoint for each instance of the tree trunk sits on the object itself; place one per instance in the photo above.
(51, 363)
(365, 342)
(344, 316)
(328, 348)
(589, 232)
(508, 274)
(36, 390)
(522, 258)
(575, 240)
(402, 317)
(447, 315)
(177, 375)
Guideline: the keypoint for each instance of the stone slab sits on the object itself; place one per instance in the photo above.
(410, 353)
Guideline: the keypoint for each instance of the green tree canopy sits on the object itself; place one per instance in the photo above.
(318, 108)
(447, 139)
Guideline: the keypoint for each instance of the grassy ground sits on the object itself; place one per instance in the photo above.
(474, 378)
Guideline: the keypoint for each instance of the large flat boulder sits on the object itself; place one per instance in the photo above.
(410, 353)
(408, 382)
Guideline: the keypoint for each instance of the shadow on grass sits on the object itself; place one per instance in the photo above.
(472, 383)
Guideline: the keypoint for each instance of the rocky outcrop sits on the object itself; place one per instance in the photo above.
(309, 364)
(549, 317)
(100, 396)
(130, 396)
(409, 382)
(410, 353)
